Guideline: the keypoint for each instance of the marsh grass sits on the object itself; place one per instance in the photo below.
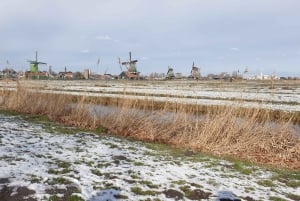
(219, 130)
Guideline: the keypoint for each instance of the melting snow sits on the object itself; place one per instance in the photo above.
(101, 167)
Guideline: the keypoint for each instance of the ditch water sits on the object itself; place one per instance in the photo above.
(43, 161)
(101, 111)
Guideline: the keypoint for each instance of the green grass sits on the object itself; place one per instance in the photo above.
(249, 189)
(242, 168)
(97, 172)
(47, 124)
(149, 184)
(53, 198)
(290, 178)
(196, 185)
(9, 112)
(276, 199)
(103, 165)
(111, 145)
(58, 180)
(138, 164)
(36, 118)
(140, 191)
(179, 182)
(212, 182)
(35, 179)
(293, 183)
(186, 189)
(63, 129)
(110, 185)
(63, 171)
(63, 164)
(100, 130)
(293, 196)
(75, 198)
(134, 176)
(266, 183)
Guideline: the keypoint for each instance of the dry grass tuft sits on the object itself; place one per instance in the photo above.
(243, 133)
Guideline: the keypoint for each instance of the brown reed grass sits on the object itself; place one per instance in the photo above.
(242, 133)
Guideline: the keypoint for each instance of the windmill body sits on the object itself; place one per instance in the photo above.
(170, 73)
(131, 72)
(195, 72)
(34, 72)
(34, 65)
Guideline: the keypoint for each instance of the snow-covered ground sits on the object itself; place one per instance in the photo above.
(280, 96)
(43, 161)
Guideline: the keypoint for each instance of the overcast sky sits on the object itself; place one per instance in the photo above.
(218, 35)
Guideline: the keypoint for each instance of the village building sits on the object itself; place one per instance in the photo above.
(8, 73)
(65, 75)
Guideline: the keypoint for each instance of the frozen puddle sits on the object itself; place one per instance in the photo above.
(39, 162)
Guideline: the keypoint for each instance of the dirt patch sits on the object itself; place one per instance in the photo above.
(67, 192)
(248, 198)
(121, 158)
(16, 193)
(171, 193)
(198, 194)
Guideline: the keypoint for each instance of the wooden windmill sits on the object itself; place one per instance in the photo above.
(131, 70)
(170, 73)
(195, 72)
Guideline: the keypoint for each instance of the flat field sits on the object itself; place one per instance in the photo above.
(274, 95)
(44, 161)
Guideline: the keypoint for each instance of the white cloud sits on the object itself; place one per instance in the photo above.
(104, 37)
(235, 49)
(85, 51)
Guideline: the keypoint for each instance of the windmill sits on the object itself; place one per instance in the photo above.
(170, 73)
(34, 65)
(130, 65)
(119, 60)
(98, 63)
(246, 70)
(195, 72)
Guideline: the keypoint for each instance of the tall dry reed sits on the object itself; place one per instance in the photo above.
(243, 133)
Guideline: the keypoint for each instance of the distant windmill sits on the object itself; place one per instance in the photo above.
(195, 72)
(34, 65)
(98, 62)
(170, 73)
(130, 65)
(119, 60)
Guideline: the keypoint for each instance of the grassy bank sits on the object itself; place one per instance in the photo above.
(221, 131)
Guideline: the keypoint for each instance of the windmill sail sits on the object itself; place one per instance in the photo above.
(34, 65)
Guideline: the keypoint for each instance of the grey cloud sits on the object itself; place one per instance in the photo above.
(201, 30)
